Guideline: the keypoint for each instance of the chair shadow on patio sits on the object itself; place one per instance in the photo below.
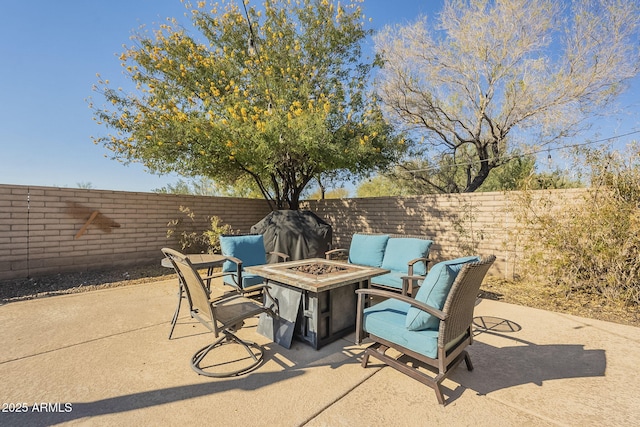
(146, 399)
(525, 362)
(502, 367)
(292, 362)
(497, 368)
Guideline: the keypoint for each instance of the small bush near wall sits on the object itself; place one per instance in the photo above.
(194, 240)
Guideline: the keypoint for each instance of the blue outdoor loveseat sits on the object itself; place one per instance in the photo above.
(402, 255)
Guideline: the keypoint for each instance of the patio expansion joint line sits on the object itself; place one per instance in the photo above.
(339, 398)
(526, 411)
(79, 343)
(586, 324)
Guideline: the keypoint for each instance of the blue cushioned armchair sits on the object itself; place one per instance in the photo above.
(434, 328)
(244, 251)
(402, 255)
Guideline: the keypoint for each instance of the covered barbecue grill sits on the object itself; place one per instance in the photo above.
(299, 234)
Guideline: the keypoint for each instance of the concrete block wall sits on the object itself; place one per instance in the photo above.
(40, 226)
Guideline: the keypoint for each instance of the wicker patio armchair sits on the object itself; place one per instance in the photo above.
(431, 330)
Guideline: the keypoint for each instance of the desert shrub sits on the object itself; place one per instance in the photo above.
(216, 228)
(196, 241)
(467, 237)
(589, 244)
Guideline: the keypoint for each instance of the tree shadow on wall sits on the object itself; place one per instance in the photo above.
(416, 215)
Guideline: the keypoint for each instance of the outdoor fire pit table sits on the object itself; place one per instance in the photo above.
(316, 299)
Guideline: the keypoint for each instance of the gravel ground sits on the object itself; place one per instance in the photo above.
(69, 283)
(526, 294)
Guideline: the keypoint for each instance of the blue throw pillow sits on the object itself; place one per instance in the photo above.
(434, 291)
(401, 250)
(368, 249)
(249, 249)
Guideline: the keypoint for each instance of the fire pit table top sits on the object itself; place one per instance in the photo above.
(315, 274)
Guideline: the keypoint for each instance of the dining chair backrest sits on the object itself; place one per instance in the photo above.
(196, 290)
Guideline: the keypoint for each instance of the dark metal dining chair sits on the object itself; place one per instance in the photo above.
(223, 317)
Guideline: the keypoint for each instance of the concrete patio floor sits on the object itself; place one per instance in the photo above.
(103, 358)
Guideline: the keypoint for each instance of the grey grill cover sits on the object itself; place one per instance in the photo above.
(299, 234)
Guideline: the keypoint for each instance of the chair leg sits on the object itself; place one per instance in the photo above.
(365, 359)
(437, 389)
(247, 346)
(467, 361)
(410, 367)
(440, 377)
(373, 350)
(177, 312)
(200, 354)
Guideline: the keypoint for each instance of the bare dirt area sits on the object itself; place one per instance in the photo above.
(544, 297)
(520, 293)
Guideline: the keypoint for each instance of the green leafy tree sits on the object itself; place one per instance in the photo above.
(180, 187)
(493, 76)
(555, 179)
(426, 176)
(383, 185)
(336, 193)
(276, 93)
(207, 187)
(520, 173)
(510, 176)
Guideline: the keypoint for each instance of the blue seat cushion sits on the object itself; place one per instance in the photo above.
(249, 249)
(248, 280)
(434, 291)
(401, 250)
(368, 249)
(387, 320)
(391, 280)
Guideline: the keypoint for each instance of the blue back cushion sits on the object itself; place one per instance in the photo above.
(402, 250)
(368, 249)
(250, 249)
(434, 291)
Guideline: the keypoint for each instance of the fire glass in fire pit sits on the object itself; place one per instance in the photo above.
(318, 268)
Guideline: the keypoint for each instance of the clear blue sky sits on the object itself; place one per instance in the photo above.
(50, 53)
